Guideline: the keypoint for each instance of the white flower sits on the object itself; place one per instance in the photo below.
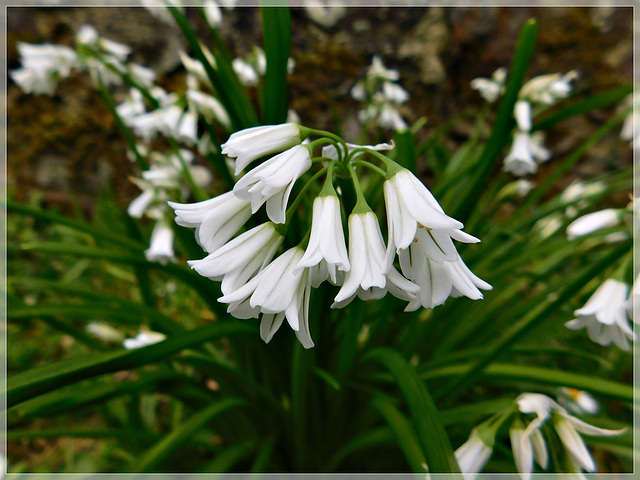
(252, 143)
(209, 107)
(141, 75)
(144, 338)
(280, 290)
(390, 118)
(565, 425)
(196, 68)
(394, 93)
(526, 448)
(378, 70)
(409, 203)
(104, 332)
(216, 220)
(161, 248)
(370, 275)
(272, 181)
(522, 113)
(433, 263)
(490, 89)
(577, 190)
(547, 226)
(169, 119)
(579, 401)
(212, 13)
(631, 126)
(592, 222)
(245, 71)
(358, 92)
(473, 455)
(325, 14)
(42, 66)
(241, 258)
(520, 160)
(158, 8)
(88, 35)
(326, 243)
(605, 315)
(132, 106)
(547, 89)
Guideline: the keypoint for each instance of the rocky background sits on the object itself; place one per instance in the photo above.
(68, 147)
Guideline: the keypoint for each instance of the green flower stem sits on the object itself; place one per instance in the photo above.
(361, 203)
(289, 215)
(327, 188)
(392, 166)
(625, 266)
(370, 166)
(307, 132)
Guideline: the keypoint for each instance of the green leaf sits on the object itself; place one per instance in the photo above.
(183, 433)
(230, 456)
(519, 329)
(369, 439)
(405, 149)
(37, 381)
(98, 233)
(404, 434)
(276, 37)
(540, 375)
(432, 436)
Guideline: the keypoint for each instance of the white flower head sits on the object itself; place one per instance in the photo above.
(324, 13)
(605, 315)
(42, 67)
(378, 70)
(216, 220)
(326, 243)
(593, 222)
(409, 203)
(490, 88)
(579, 401)
(241, 258)
(273, 180)
(144, 338)
(473, 455)
(279, 291)
(547, 89)
(578, 190)
(520, 160)
(212, 13)
(389, 117)
(209, 107)
(517, 188)
(141, 74)
(161, 248)
(565, 425)
(245, 71)
(394, 92)
(104, 332)
(252, 143)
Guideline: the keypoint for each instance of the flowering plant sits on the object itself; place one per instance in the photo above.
(167, 302)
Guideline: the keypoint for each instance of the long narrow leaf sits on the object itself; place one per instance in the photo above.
(276, 35)
(432, 436)
(44, 379)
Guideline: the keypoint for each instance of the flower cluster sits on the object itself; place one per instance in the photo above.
(528, 442)
(254, 284)
(527, 149)
(382, 95)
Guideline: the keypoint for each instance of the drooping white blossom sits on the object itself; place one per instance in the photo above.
(593, 222)
(42, 67)
(472, 455)
(161, 248)
(326, 244)
(252, 143)
(527, 150)
(216, 220)
(549, 88)
(272, 181)
(144, 338)
(238, 260)
(605, 315)
(490, 88)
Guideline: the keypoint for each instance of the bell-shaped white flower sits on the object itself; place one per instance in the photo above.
(490, 88)
(104, 332)
(605, 315)
(547, 89)
(161, 248)
(371, 275)
(394, 92)
(326, 242)
(409, 204)
(378, 70)
(209, 107)
(472, 455)
(520, 160)
(240, 259)
(566, 426)
(526, 448)
(522, 113)
(631, 127)
(42, 66)
(593, 222)
(252, 143)
(141, 75)
(273, 180)
(245, 72)
(281, 288)
(144, 338)
(216, 220)
(433, 263)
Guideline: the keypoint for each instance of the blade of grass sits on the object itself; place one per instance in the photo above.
(432, 436)
(163, 449)
(37, 381)
(276, 37)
